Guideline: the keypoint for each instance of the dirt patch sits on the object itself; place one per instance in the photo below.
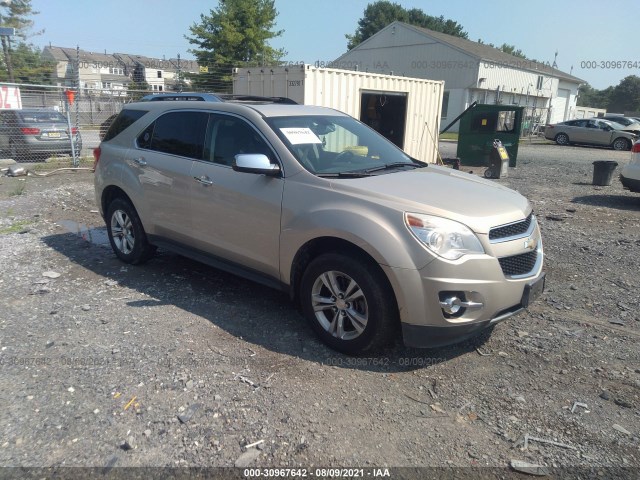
(177, 364)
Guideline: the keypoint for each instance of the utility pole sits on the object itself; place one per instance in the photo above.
(5, 37)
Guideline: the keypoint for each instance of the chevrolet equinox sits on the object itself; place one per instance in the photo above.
(309, 200)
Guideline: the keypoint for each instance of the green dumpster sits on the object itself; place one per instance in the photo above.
(481, 125)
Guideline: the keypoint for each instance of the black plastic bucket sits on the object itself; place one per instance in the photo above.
(603, 172)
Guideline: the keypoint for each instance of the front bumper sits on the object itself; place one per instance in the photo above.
(479, 281)
(427, 336)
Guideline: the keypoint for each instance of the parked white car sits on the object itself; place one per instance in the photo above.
(630, 176)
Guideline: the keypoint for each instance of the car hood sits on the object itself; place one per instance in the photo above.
(478, 203)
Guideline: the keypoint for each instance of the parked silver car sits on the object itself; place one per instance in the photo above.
(590, 131)
(312, 201)
(630, 174)
(629, 124)
(36, 133)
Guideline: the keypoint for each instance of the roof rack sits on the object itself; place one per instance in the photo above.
(256, 99)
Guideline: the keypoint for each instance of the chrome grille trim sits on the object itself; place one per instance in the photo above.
(513, 231)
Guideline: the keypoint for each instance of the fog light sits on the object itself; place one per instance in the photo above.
(454, 304)
(451, 305)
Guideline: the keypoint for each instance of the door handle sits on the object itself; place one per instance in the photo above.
(140, 161)
(203, 179)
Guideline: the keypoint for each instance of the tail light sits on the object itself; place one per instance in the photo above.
(548, 126)
(636, 147)
(96, 157)
(74, 130)
(30, 131)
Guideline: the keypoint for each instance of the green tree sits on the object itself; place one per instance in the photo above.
(625, 97)
(14, 14)
(381, 13)
(137, 90)
(591, 97)
(27, 66)
(506, 48)
(237, 32)
(512, 50)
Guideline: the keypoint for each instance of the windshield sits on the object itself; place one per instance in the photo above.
(617, 126)
(44, 116)
(620, 121)
(332, 145)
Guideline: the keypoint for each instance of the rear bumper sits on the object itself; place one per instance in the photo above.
(630, 183)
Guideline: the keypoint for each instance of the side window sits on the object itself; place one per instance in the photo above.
(177, 133)
(231, 136)
(124, 119)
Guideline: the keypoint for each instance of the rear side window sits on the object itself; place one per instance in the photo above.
(44, 116)
(123, 121)
(177, 133)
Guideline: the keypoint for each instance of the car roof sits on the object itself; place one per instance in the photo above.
(262, 109)
(213, 97)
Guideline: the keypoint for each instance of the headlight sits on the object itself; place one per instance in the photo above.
(446, 238)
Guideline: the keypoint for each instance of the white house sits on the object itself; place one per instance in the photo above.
(112, 73)
(471, 71)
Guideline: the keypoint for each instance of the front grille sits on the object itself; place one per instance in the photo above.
(511, 230)
(518, 264)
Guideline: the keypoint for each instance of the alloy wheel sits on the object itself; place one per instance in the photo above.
(339, 305)
(122, 230)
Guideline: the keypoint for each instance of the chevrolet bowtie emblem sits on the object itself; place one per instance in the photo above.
(530, 243)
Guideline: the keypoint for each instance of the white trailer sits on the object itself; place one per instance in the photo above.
(405, 110)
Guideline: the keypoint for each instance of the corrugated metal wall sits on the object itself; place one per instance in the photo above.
(342, 90)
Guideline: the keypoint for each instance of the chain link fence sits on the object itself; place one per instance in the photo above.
(103, 84)
(46, 124)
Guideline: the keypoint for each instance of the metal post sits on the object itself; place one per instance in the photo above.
(5, 38)
(76, 155)
(76, 162)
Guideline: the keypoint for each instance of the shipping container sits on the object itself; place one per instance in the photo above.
(405, 110)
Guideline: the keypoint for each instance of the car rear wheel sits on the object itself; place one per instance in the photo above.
(126, 234)
(621, 144)
(348, 303)
(562, 139)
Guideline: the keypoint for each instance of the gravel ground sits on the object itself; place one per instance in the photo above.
(177, 364)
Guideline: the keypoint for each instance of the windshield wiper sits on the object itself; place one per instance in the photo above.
(355, 174)
(388, 166)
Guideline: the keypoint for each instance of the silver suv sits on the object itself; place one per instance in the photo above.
(311, 201)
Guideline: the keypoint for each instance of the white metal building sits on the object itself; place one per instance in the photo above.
(471, 71)
(405, 110)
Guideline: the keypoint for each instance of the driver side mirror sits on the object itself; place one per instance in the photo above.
(255, 163)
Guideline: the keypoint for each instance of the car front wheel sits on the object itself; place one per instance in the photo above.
(621, 144)
(349, 303)
(126, 234)
(562, 139)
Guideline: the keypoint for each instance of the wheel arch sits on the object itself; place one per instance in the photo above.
(110, 193)
(628, 143)
(319, 246)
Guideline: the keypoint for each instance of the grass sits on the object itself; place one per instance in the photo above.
(16, 227)
(61, 162)
(449, 136)
(18, 190)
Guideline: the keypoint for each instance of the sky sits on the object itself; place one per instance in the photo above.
(589, 35)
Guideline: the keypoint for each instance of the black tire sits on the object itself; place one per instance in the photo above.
(371, 299)
(562, 139)
(18, 154)
(126, 234)
(621, 144)
(488, 173)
